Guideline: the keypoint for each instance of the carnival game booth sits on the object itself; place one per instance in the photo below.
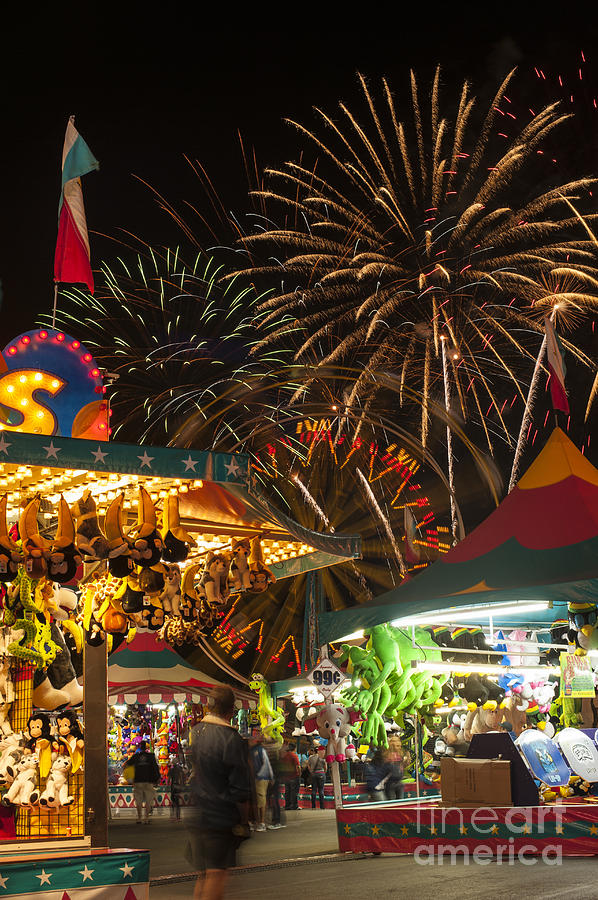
(96, 547)
(509, 609)
(153, 694)
(306, 701)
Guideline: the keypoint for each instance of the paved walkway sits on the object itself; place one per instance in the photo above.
(394, 877)
(308, 832)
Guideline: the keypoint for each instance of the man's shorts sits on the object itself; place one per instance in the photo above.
(213, 849)
(144, 791)
(261, 790)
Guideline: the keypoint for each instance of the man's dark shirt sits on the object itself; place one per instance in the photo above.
(146, 767)
(221, 775)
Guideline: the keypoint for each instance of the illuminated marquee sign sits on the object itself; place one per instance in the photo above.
(50, 384)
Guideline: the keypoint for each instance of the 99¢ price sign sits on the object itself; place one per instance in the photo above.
(326, 677)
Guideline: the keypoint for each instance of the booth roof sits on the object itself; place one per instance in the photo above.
(541, 543)
(228, 503)
(149, 670)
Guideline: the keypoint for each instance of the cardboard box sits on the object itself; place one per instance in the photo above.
(475, 782)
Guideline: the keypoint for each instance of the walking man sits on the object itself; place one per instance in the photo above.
(221, 793)
(318, 767)
(147, 775)
(290, 770)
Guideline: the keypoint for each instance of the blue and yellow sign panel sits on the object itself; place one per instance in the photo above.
(51, 384)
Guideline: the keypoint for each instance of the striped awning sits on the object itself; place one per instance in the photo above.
(149, 671)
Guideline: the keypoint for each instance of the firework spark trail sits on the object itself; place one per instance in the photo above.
(311, 501)
(385, 523)
(449, 444)
(527, 415)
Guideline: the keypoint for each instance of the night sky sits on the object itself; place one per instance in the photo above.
(146, 93)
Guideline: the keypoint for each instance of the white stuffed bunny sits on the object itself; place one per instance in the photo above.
(23, 791)
(57, 789)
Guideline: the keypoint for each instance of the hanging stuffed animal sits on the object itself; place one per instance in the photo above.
(260, 575)
(151, 617)
(271, 716)
(145, 538)
(582, 622)
(559, 634)
(64, 556)
(334, 722)
(7, 694)
(239, 576)
(130, 594)
(472, 689)
(214, 579)
(56, 792)
(171, 595)
(481, 721)
(89, 538)
(36, 548)
(23, 790)
(151, 580)
(190, 603)
(39, 741)
(69, 740)
(11, 752)
(10, 554)
(120, 562)
(176, 540)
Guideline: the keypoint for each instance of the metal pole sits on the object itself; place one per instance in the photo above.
(95, 713)
(416, 724)
(336, 785)
(55, 305)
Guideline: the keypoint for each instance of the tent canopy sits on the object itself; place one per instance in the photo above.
(541, 543)
(150, 671)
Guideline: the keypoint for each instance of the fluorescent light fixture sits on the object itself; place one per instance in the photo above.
(350, 637)
(464, 613)
(483, 668)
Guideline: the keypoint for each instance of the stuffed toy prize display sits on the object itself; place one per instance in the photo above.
(139, 584)
(389, 692)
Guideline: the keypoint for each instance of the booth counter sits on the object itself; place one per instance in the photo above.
(427, 829)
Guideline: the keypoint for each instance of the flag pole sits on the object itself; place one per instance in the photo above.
(55, 305)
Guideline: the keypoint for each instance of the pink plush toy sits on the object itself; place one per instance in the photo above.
(334, 722)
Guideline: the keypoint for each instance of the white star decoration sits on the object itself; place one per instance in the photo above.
(3, 881)
(190, 463)
(145, 459)
(4, 445)
(52, 451)
(126, 870)
(87, 873)
(99, 455)
(44, 878)
(232, 468)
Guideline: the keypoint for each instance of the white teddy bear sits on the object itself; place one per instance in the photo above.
(57, 791)
(23, 791)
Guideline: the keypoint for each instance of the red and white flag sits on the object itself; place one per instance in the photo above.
(72, 258)
(556, 368)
